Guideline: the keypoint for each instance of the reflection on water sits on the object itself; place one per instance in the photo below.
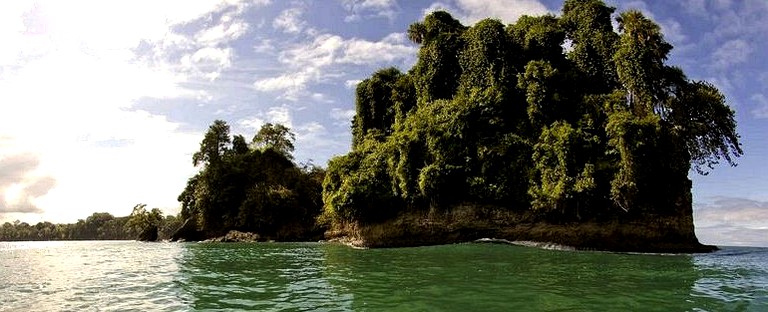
(74, 276)
(132, 276)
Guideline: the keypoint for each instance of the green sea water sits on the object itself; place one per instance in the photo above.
(134, 276)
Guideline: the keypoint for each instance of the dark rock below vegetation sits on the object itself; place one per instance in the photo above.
(149, 234)
(187, 232)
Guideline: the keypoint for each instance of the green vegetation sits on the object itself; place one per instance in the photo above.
(554, 119)
(252, 187)
(98, 226)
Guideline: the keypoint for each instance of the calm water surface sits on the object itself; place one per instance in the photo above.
(134, 276)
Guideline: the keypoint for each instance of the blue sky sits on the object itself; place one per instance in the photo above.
(103, 103)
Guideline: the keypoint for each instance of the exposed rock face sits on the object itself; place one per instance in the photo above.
(149, 234)
(236, 236)
(667, 234)
(188, 232)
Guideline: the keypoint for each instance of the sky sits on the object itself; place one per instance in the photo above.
(102, 103)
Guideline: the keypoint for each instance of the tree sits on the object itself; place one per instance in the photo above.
(640, 58)
(375, 105)
(239, 145)
(214, 145)
(702, 119)
(587, 24)
(140, 219)
(563, 171)
(276, 137)
(437, 69)
(487, 59)
(540, 37)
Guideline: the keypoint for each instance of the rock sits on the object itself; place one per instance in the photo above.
(187, 232)
(236, 237)
(149, 234)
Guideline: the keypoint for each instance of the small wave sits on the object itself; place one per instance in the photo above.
(540, 245)
(731, 251)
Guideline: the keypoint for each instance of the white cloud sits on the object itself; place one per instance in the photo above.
(731, 53)
(261, 2)
(761, 105)
(264, 46)
(316, 61)
(290, 21)
(673, 32)
(352, 84)
(695, 7)
(225, 32)
(71, 74)
(208, 62)
(388, 50)
(732, 221)
(322, 98)
(280, 115)
(292, 83)
(20, 186)
(343, 117)
(471, 11)
(359, 9)
(275, 114)
(315, 137)
(745, 20)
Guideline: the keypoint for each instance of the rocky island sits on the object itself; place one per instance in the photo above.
(555, 129)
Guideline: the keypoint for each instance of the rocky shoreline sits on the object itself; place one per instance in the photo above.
(463, 224)
(235, 237)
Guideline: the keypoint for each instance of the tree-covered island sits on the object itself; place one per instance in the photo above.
(554, 128)
(253, 188)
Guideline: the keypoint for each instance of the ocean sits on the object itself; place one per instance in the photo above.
(136, 276)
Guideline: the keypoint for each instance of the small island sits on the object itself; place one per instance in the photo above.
(553, 129)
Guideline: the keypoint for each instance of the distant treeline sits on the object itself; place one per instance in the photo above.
(98, 226)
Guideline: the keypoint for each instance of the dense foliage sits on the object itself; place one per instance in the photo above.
(559, 117)
(252, 187)
(98, 226)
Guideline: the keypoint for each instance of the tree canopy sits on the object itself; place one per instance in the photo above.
(561, 117)
(253, 188)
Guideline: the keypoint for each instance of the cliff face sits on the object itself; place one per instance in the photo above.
(460, 224)
(670, 233)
